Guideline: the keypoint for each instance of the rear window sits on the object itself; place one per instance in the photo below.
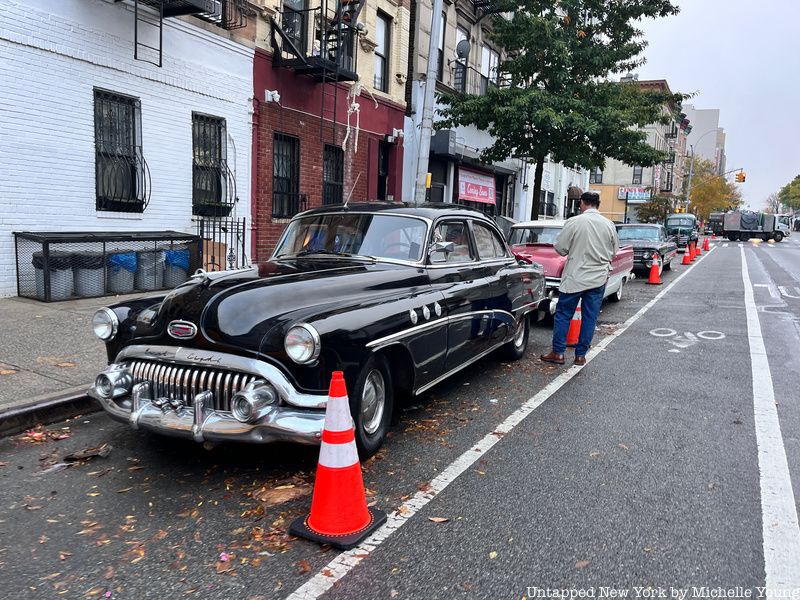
(534, 235)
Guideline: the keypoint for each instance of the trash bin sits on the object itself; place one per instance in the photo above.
(88, 272)
(176, 267)
(121, 270)
(149, 270)
(61, 277)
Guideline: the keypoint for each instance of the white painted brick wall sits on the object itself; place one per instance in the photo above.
(52, 54)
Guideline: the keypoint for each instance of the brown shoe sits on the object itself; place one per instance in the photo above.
(580, 360)
(553, 357)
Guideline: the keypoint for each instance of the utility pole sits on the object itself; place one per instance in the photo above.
(424, 146)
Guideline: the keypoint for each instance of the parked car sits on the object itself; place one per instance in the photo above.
(683, 226)
(396, 296)
(649, 240)
(533, 241)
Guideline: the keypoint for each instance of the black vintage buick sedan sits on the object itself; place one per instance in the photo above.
(396, 296)
(649, 241)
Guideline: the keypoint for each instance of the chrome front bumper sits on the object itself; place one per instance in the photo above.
(201, 423)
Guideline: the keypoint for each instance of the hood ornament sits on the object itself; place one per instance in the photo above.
(182, 330)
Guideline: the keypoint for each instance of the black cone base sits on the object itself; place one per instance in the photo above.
(300, 528)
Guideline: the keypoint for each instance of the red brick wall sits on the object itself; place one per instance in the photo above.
(298, 114)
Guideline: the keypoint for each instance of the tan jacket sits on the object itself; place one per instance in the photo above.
(590, 242)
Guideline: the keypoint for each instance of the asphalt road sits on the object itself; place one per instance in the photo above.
(641, 470)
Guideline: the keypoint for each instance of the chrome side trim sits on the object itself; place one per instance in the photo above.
(190, 356)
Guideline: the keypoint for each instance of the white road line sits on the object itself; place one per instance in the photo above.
(780, 527)
(341, 565)
(725, 245)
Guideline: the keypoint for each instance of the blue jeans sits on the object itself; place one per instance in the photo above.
(590, 308)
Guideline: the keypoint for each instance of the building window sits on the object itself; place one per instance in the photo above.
(460, 66)
(121, 174)
(285, 176)
(596, 175)
(209, 169)
(382, 36)
(637, 175)
(489, 62)
(294, 23)
(440, 64)
(332, 174)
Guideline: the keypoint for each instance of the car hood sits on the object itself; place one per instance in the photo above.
(544, 254)
(252, 310)
(642, 244)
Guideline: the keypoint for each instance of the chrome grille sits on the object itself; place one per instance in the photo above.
(185, 382)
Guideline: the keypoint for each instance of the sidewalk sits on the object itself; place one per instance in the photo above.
(48, 350)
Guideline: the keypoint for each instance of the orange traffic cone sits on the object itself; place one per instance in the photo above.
(706, 247)
(655, 276)
(713, 236)
(339, 513)
(697, 250)
(692, 254)
(687, 257)
(574, 333)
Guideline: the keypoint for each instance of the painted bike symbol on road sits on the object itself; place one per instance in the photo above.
(688, 338)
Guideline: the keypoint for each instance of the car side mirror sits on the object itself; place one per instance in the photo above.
(440, 247)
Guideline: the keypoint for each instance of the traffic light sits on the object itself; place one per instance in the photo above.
(741, 176)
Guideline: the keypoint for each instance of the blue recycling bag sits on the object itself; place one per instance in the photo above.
(122, 260)
(177, 258)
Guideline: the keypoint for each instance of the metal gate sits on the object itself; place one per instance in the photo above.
(222, 243)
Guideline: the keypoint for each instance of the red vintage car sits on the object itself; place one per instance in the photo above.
(533, 241)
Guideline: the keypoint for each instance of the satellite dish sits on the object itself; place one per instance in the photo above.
(462, 49)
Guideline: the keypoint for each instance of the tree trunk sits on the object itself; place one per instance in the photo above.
(537, 187)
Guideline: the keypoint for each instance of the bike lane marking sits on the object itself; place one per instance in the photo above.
(345, 562)
(780, 528)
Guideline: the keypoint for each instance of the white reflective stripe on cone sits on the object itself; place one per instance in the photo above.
(337, 456)
(337, 415)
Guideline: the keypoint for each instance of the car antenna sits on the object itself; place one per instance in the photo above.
(352, 190)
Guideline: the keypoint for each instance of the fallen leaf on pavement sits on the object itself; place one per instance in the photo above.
(582, 564)
(280, 494)
(438, 519)
(102, 451)
(594, 454)
(65, 364)
(109, 574)
(492, 554)
(623, 446)
(304, 566)
(327, 572)
(3, 464)
(8, 371)
(64, 555)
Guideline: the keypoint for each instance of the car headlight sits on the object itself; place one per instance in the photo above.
(105, 324)
(302, 343)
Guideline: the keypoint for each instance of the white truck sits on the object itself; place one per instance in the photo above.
(745, 224)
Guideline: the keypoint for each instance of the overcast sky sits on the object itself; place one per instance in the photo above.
(741, 56)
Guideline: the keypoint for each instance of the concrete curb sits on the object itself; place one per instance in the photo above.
(46, 410)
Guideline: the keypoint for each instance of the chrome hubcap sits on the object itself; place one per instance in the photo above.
(373, 401)
(519, 334)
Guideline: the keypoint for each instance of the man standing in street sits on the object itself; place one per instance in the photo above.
(589, 241)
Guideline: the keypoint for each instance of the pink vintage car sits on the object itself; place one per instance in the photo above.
(533, 241)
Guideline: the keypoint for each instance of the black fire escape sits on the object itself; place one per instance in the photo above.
(319, 43)
(149, 18)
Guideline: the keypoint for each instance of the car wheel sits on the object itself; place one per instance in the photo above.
(617, 296)
(733, 237)
(371, 405)
(515, 349)
(668, 265)
(778, 236)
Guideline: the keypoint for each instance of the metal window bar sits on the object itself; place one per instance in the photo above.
(333, 175)
(122, 176)
(285, 176)
(468, 80)
(213, 183)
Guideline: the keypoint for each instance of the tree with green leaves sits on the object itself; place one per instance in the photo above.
(655, 210)
(556, 99)
(790, 194)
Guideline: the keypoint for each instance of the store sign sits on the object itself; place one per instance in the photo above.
(634, 194)
(475, 186)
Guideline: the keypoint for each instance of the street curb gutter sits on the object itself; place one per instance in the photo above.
(47, 410)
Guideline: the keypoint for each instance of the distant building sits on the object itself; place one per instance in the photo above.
(623, 187)
(707, 144)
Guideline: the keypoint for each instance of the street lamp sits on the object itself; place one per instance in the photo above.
(691, 163)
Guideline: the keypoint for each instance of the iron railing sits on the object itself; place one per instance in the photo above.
(222, 243)
(468, 80)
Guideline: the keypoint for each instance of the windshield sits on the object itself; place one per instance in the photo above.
(680, 222)
(534, 235)
(637, 233)
(347, 234)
